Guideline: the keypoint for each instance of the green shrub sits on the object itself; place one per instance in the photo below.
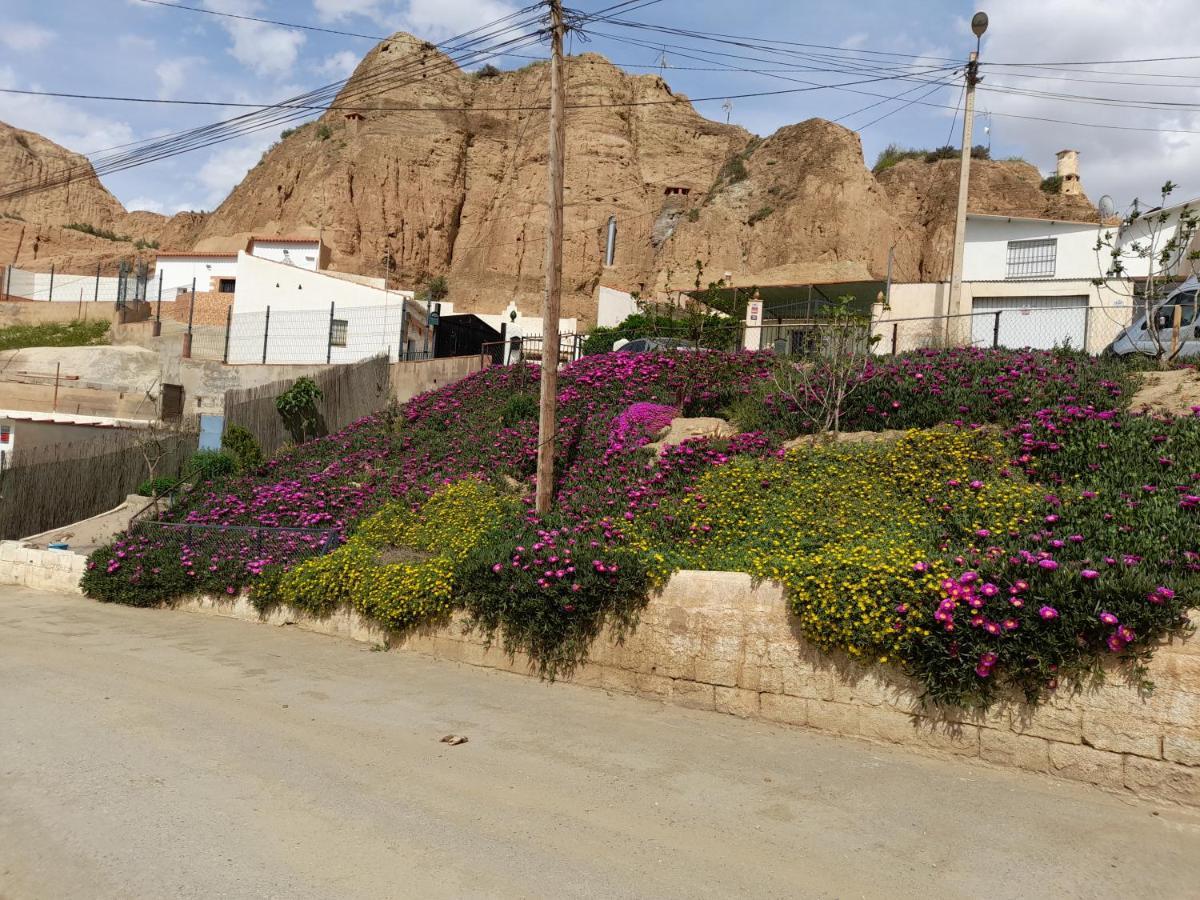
(759, 215)
(97, 232)
(487, 71)
(209, 465)
(141, 244)
(549, 590)
(244, 447)
(157, 486)
(1052, 184)
(324, 132)
(693, 215)
(298, 408)
(517, 409)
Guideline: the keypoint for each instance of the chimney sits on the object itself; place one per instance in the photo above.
(1068, 171)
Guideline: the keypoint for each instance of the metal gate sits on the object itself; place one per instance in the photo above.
(1040, 323)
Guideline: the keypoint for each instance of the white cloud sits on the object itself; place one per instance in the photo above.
(147, 204)
(226, 167)
(265, 49)
(62, 122)
(25, 36)
(1124, 164)
(173, 74)
(336, 10)
(340, 65)
(437, 19)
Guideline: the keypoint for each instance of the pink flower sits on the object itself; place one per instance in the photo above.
(920, 567)
(1048, 564)
(1011, 624)
(1089, 574)
(1115, 644)
(1048, 613)
(1109, 619)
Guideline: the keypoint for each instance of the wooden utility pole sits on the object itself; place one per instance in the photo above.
(548, 412)
(979, 25)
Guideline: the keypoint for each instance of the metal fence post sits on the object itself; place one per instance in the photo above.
(895, 336)
(96, 295)
(158, 314)
(228, 329)
(187, 338)
(996, 331)
(7, 282)
(51, 295)
(329, 342)
(266, 332)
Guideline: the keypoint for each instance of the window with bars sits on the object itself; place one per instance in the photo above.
(337, 332)
(1032, 259)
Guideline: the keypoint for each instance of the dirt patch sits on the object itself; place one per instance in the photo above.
(1175, 393)
(846, 437)
(392, 555)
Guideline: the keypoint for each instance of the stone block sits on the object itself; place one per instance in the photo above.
(621, 681)
(1182, 746)
(802, 679)
(1158, 780)
(650, 685)
(1120, 733)
(693, 694)
(1051, 721)
(836, 718)
(737, 702)
(782, 708)
(959, 738)
(1020, 750)
(885, 723)
(1079, 763)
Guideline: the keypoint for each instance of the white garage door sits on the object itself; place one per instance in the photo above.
(1038, 322)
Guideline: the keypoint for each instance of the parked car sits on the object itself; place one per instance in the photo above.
(1137, 338)
(645, 345)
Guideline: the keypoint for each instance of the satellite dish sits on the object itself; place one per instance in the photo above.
(1107, 209)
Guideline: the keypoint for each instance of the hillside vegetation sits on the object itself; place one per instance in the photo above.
(1025, 526)
(54, 334)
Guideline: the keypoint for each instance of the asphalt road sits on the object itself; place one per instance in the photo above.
(151, 754)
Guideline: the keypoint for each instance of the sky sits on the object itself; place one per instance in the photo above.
(136, 48)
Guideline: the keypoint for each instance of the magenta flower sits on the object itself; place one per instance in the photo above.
(1048, 613)
(1089, 574)
(1109, 619)
(1048, 564)
(1115, 644)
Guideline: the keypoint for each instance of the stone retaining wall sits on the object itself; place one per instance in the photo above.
(43, 570)
(714, 641)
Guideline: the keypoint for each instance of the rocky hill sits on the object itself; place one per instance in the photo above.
(446, 175)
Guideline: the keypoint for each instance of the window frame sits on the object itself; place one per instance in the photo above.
(1023, 261)
(339, 329)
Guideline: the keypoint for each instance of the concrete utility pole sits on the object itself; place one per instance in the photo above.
(547, 416)
(979, 25)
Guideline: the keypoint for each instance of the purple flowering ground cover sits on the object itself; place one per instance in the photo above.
(1126, 485)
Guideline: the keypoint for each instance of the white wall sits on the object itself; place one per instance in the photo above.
(178, 271)
(304, 256)
(525, 325)
(985, 256)
(299, 326)
(67, 288)
(914, 317)
(613, 307)
(1140, 232)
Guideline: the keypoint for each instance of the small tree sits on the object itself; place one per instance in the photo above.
(840, 354)
(1164, 247)
(298, 408)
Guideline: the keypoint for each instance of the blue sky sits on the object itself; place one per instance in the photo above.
(133, 48)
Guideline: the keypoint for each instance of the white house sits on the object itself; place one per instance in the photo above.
(177, 272)
(287, 313)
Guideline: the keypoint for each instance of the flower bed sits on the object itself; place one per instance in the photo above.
(881, 548)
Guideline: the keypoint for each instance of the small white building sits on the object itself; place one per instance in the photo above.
(178, 271)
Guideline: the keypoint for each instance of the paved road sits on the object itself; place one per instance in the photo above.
(148, 754)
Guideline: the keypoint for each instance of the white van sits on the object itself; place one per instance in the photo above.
(1137, 338)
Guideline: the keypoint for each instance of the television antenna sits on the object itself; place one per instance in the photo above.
(728, 107)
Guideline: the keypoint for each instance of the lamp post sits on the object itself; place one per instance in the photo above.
(979, 24)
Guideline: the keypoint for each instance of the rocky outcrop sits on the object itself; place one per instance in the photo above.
(30, 159)
(923, 197)
(421, 169)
